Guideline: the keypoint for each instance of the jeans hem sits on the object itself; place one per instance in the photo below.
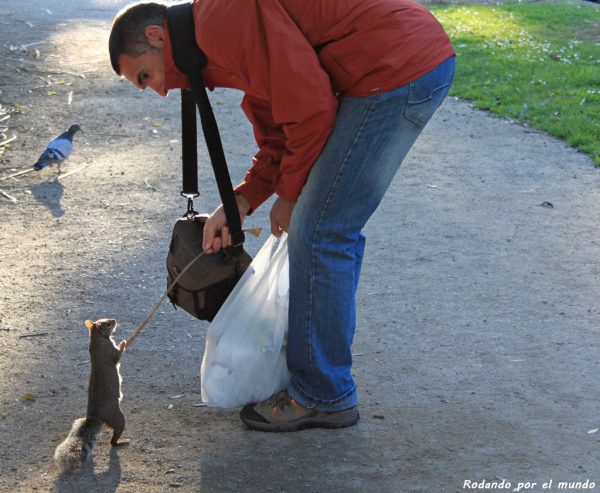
(345, 401)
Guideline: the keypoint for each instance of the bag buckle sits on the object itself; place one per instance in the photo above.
(190, 203)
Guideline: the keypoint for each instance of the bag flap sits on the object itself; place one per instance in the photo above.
(186, 244)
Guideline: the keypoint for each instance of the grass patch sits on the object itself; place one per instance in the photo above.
(536, 63)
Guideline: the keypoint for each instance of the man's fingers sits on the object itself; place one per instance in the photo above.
(225, 237)
(216, 246)
(216, 233)
(211, 241)
(208, 237)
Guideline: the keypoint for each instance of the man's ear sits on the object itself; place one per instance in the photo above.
(155, 35)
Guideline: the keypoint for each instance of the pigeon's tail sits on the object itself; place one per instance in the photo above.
(49, 156)
(42, 163)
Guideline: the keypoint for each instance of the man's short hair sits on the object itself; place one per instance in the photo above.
(127, 34)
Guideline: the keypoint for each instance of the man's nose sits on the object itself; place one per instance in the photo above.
(160, 90)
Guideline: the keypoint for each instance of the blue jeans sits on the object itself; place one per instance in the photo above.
(371, 137)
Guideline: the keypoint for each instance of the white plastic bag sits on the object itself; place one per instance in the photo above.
(245, 356)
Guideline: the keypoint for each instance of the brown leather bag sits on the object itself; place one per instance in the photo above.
(204, 287)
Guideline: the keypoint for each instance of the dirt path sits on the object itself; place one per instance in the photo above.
(476, 351)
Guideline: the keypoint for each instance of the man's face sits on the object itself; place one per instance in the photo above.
(147, 70)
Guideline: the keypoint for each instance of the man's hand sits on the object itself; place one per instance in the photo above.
(281, 212)
(216, 232)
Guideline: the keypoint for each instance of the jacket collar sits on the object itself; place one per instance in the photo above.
(174, 78)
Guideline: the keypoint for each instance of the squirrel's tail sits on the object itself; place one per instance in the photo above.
(72, 453)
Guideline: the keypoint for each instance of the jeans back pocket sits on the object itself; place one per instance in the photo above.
(427, 93)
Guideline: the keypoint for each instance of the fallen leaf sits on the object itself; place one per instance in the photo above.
(28, 397)
(253, 231)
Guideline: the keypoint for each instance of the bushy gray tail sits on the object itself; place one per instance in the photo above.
(77, 447)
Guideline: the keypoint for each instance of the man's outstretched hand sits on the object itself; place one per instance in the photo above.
(216, 232)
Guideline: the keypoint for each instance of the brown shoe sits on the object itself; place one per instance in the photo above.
(282, 413)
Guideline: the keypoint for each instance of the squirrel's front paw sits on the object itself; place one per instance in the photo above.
(122, 345)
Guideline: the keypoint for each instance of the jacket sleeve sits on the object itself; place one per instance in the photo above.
(262, 178)
(292, 107)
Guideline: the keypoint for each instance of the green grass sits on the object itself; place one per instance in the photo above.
(536, 63)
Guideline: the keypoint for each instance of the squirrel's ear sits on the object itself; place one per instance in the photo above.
(89, 324)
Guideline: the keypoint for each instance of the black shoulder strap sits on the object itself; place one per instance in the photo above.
(190, 60)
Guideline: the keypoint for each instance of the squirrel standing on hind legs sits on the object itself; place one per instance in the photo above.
(104, 396)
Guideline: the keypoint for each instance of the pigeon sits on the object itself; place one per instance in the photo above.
(58, 149)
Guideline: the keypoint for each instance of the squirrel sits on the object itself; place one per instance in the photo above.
(104, 396)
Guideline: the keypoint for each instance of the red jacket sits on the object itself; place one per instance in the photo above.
(294, 58)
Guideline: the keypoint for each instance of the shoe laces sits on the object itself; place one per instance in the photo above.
(280, 399)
